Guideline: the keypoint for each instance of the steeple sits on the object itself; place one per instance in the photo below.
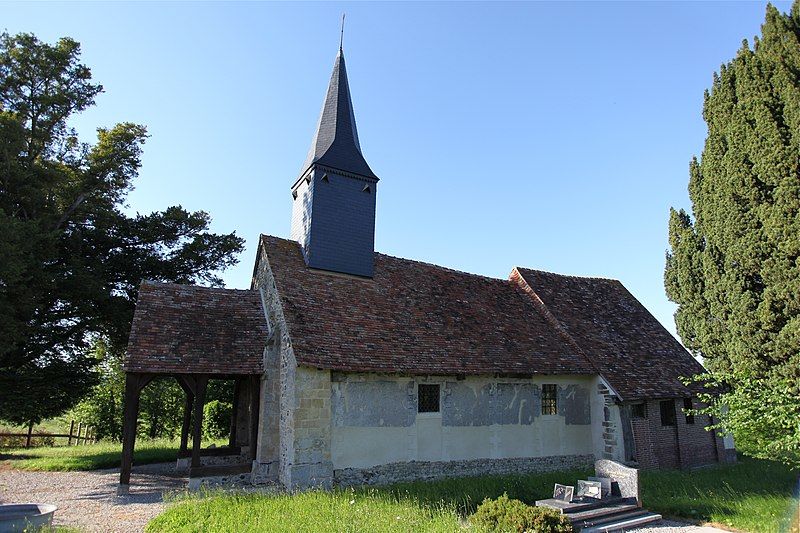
(333, 215)
(335, 142)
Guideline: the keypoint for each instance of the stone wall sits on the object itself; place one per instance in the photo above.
(275, 451)
(431, 470)
(311, 462)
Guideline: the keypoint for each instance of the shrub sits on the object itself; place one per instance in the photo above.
(217, 419)
(507, 515)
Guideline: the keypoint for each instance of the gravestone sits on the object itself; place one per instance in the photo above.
(563, 492)
(625, 480)
(605, 485)
(589, 489)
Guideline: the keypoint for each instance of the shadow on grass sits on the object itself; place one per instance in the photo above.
(91, 457)
(15, 457)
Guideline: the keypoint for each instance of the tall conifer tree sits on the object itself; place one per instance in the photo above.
(734, 265)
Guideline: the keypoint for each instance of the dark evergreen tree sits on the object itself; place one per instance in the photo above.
(71, 260)
(734, 265)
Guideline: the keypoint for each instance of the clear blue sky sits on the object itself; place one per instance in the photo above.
(549, 135)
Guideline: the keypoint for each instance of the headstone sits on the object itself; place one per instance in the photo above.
(589, 489)
(563, 492)
(605, 485)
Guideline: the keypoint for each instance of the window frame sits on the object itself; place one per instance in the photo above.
(635, 407)
(670, 420)
(688, 405)
(550, 404)
(427, 386)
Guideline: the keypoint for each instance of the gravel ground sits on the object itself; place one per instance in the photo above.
(88, 500)
(669, 526)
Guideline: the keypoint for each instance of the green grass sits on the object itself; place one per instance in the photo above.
(753, 496)
(87, 457)
(313, 511)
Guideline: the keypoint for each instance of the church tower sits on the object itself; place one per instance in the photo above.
(333, 214)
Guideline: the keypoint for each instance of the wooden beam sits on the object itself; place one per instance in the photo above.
(255, 403)
(199, 401)
(235, 411)
(131, 413)
(187, 420)
(186, 382)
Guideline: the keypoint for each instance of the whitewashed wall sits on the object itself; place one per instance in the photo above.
(375, 419)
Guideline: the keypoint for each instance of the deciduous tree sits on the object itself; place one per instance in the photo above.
(71, 259)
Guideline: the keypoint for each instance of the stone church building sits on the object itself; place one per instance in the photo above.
(353, 367)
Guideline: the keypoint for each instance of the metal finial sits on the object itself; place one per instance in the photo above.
(341, 36)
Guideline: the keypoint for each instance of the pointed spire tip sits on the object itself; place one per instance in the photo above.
(341, 35)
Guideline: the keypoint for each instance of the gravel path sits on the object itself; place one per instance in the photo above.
(88, 500)
(668, 526)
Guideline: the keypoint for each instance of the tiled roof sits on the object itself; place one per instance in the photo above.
(335, 142)
(192, 329)
(632, 350)
(414, 318)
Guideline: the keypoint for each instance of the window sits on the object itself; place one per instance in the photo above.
(687, 406)
(668, 413)
(427, 398)
(549, 400)
(639, 410)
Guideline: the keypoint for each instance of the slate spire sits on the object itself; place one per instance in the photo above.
(335, 142)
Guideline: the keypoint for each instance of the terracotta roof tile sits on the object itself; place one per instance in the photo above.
(414, 318)
(192, 329)
(632, 350)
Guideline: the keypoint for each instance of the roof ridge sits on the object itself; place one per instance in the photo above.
(441, 267)
(416, 261)
(573, 276)
(191, 285)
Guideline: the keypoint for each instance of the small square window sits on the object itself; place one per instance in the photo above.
(549, 400)
(427, 398)
(639, 410)
(668, 413)
(687, 406)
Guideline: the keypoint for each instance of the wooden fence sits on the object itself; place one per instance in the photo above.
(86, 434)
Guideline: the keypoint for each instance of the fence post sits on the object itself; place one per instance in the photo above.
(71, 427)
(30, 430)
(78, 439)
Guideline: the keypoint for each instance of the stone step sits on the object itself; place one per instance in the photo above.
(600, 512)
(623, 523)
(220, 470)
(616, 517)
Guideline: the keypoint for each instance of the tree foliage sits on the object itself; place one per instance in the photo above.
(72, 259)
(734, 265)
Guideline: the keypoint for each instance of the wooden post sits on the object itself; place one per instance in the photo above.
(234, 412)
(30, 430)
(131, 414)
(255, 403)
(80, 429)
(199, 401)
(71, 428)
(187, 421)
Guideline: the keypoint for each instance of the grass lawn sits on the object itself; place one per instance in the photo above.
(87, 457)
(751, 496)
